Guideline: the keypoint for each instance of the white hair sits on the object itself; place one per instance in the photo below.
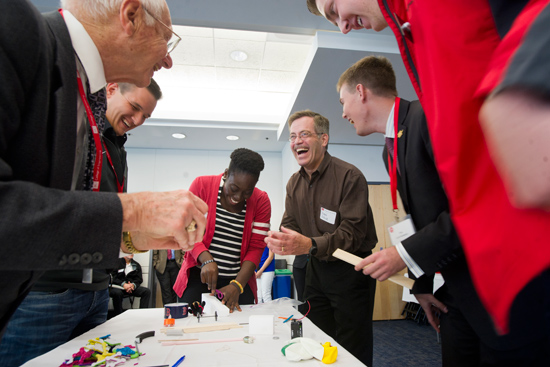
(101, 9)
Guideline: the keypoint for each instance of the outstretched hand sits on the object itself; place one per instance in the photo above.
(382, 264)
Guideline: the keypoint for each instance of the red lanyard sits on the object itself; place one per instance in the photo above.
(119, 186)
(393, 167)
(95, 132)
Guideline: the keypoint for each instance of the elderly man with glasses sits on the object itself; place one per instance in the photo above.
(54, 69)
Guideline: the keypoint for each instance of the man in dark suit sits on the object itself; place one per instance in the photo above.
(369, 98)
(167, 264)
(44, 207)
(127, 279)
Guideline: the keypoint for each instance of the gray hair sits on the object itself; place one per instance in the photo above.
(102, 9)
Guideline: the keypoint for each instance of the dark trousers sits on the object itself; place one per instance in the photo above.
(299, 275)
(195, 288)
(117, 295)
(167, 281)
(342, 302)
(45, 320)
(527, 344)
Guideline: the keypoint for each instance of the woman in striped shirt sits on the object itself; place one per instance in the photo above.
(237, 223)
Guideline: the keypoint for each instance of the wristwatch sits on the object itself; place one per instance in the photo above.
(313, 249)
(127, 239)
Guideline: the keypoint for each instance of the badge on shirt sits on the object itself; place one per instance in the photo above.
(328, 215)
(401, 230)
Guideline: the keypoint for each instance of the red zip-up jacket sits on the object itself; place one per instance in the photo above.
(256, 225)
(456, 54)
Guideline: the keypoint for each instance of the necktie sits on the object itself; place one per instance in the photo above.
(98, 104)
(170, 254)
(389, 145)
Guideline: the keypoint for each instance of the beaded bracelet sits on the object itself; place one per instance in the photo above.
(207, 262)
(237, 284)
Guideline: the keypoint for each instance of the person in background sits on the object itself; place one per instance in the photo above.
(58, 65)
(64, 304)
(126, 281)
(167, 264)
(327, 208)
(265, 275)
(238, 221)
(489, 122)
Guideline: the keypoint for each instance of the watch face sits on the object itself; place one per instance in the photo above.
(313, 249)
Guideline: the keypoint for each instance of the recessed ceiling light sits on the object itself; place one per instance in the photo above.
(178, 136)
(232, 137)
(239, 55)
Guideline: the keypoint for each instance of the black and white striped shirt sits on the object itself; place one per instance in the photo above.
(227, 241)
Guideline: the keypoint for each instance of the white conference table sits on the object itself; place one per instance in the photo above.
(264, 351)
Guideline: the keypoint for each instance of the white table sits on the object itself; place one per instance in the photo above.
(265, 351)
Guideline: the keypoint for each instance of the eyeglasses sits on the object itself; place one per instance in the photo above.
(173, 42)
(303, 135)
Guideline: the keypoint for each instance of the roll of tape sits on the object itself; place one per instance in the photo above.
(175, 310)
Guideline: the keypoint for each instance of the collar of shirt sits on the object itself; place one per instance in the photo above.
(129, 268)
(322, 167)
(390, 130)
(110, 134)
(86, 51)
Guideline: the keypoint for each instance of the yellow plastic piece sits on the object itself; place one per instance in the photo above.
(330, 354)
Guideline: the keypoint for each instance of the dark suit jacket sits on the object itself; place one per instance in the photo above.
(43, 225)
(435, 247)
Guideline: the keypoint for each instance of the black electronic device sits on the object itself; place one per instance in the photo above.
(296, 329)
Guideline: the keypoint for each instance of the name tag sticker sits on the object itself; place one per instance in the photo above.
(401, 230)
(328, 215)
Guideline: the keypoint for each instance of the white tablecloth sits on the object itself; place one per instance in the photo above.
(265, 351)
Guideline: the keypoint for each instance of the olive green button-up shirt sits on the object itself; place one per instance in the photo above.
(332, 208)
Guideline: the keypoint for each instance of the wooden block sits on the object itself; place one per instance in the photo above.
(354, 260)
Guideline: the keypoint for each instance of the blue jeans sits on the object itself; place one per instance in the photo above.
(46, 320)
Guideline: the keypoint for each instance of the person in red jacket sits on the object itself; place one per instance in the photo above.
(479, 68)
(237, 223)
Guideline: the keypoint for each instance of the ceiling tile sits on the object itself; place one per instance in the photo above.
(240, 35)
(194, 51)
(234, 78)
(278, 81)
(193, 31)
(254, 50)
(285, 56)
(186, 76)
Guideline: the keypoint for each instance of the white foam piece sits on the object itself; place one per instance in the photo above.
(260, 325)
(213, 304)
